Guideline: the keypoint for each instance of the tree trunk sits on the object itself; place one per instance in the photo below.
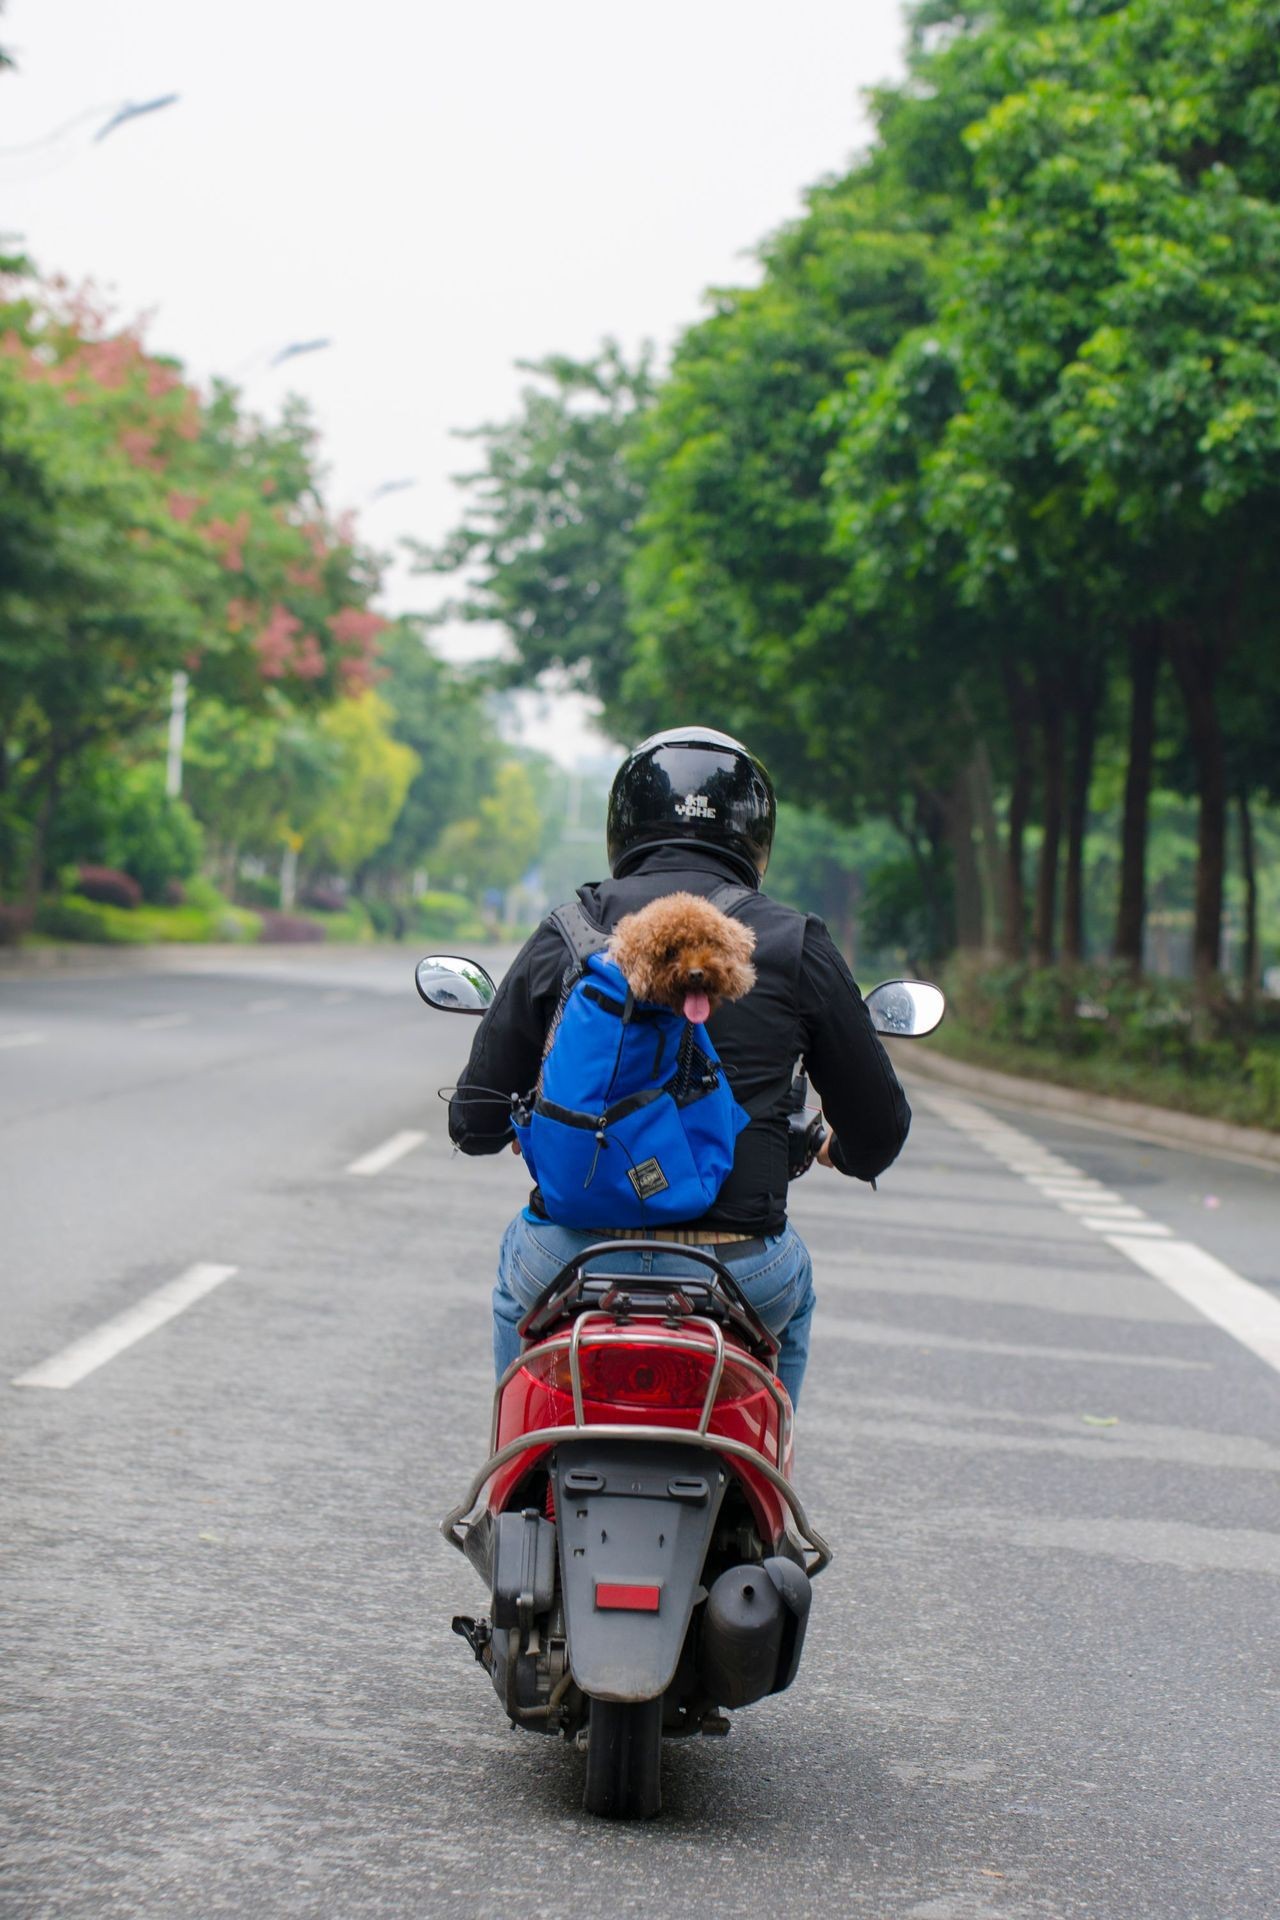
(847, 920)
(6, 834)
(289, 877)
(33, 886)
(1249, 958)
(958, 816)
(1054, 740)
(1082, 746)
(1144, 674)
(991, 866)
(1195, 662)
(1015, 909)
(928, 825)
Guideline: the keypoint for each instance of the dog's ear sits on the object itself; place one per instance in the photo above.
(740, 975)
(626, 944)
(737, 943)
(740, 940)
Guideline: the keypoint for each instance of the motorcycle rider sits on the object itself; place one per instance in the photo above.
(691, 810)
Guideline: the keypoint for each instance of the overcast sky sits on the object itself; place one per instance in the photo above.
(441, 189)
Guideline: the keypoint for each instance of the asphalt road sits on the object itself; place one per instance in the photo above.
(1042, 1677)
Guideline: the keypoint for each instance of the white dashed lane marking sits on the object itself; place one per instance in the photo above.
(1102, 1223)
(264, 1006)
(380, 1158)
(72, 1363)
(157, 1022)
(20, 1039)
(1247, 1312)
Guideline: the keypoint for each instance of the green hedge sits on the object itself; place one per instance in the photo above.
(447, 917)
(71, 918)
(1107, 1032)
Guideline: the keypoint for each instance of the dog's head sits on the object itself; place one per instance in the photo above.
(681, 952)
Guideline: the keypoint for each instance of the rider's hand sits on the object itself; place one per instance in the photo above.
(823, 1155)
(515, 1146)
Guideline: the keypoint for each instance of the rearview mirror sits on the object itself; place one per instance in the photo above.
(454, 985)
(906, 1008)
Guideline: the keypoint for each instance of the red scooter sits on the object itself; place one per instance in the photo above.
(648, 1560)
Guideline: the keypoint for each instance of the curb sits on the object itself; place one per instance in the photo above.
(1163, 1125)
(33, 963)
(176, 956)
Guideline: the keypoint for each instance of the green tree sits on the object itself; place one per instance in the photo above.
(734, 585)
(372, 774)
(550, 520)
(491, 849)
(945, 511)
(141, 533)
(121, 816)
(438, 712)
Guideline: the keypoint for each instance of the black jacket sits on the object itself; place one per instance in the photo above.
(804, 1005)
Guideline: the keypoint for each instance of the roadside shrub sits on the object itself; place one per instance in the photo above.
(289, 929)
(14, 922)
(72, 919)
(237, 923)
(447, 916)
(175, 894)
(389, 918)
(258, 890)
(351, 924)
(154, 836)
(322, 899)
(1136, 1036)
(120, 816)
(1262, 1065)
(108, 887)
(201, 892)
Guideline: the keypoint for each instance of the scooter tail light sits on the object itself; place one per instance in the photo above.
(633, 1373)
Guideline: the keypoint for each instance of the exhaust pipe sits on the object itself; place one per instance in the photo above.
(753, 1631)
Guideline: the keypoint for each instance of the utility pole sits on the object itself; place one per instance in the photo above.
(177, 733)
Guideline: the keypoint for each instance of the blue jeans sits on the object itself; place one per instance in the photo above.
(777, 1280)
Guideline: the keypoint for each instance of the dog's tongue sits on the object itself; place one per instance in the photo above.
(697, 1008)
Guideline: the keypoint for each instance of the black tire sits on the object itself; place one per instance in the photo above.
(624, 1759)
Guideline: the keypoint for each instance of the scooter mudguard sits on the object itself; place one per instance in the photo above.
(634, 1521)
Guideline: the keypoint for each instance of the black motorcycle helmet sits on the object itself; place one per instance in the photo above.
(691, 783)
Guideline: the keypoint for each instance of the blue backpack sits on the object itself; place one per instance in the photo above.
(633, 1122)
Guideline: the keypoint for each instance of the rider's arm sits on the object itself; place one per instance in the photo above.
(862, 1097)
(507, 1051)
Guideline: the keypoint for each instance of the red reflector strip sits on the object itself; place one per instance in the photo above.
(627, 1598)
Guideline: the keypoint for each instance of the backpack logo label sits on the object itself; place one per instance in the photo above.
(648, 1179)
(695, 806)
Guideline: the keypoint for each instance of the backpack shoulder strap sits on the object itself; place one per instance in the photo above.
(579, 934)
(583, 938)
(729, 895)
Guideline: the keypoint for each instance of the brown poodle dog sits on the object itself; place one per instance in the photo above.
(681, 952)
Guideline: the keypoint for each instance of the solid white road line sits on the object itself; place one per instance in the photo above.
(264, 1006)
(1247, 1312)
(156, 1022)
(20, 1039)
(388, 1153)
(113, 1336)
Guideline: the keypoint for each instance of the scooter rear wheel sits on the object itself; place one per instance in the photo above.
(624, 1759)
